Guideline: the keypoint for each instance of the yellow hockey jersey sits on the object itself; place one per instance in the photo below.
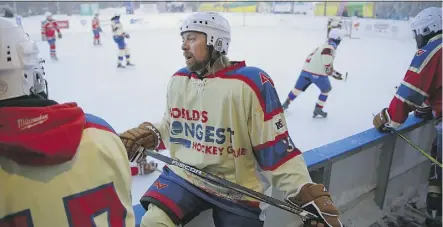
(60, 167)
(321, 58)
(231, 124)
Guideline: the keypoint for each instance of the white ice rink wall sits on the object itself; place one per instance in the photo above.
(362, 27)
(369, 163)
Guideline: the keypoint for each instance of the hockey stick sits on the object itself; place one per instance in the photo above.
(414, 146)
(235, 187)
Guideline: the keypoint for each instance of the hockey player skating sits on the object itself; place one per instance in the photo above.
(119, 38)
(422, 85)
(225, 118)
(318, 66)
(333, 22)
(49, 28)
(96, 29)
(58, 165)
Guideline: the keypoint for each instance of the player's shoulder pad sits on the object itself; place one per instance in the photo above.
(182, 72)
(93, 121)
(262, 85)
(426, 52)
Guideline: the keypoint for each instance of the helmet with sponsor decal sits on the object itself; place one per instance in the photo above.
(215, 26)
(426, 25)
(21, 72)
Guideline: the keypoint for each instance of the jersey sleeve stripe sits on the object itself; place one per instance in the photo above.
(272, 142)
(271, 158)
(414, 88)
(267, 115)
(406, 101)
(410, 94)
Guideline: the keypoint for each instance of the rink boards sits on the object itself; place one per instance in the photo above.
(369, 163)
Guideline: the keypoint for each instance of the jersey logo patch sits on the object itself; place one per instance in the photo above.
(265, 79)
(159, 185)
(420, 52)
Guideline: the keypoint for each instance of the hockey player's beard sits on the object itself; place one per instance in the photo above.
(197, 66)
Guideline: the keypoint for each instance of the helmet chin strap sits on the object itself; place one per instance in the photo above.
(201, 73)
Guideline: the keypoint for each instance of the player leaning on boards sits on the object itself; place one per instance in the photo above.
(422, 85)
(226, 118)
(58, 165)
(318, 66)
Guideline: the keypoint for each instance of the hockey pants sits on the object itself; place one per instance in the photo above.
(434, 201)
(51, 42)
(305, 80)
(123, 49)
(96, 33)
(172, 201)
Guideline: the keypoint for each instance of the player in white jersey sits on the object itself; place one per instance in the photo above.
(318, 66)
(58, 165)
(119, 37)
(225, 118)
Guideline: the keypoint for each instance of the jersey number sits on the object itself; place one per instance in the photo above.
(81, 208)
(308, 59)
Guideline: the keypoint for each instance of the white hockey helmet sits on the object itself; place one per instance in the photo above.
(427, 21)
(215, 26)
(21, 73)
(335, 22)
(48, 14)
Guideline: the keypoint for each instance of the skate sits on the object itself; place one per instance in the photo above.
(120, 66)
(55, 58)
(129, 64)
(319, 111)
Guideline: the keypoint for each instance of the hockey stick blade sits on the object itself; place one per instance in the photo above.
(235, 187)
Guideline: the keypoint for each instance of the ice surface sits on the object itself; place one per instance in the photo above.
(87, 74)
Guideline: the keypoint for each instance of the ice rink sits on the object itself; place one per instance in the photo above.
(87, 74)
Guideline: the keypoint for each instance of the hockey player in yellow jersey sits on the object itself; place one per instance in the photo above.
(58, 166)
(119, 36)
(223, 117)
(318, 66)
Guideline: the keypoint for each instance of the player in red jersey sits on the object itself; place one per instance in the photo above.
(49, 28)
(421, 87)
(96, 29)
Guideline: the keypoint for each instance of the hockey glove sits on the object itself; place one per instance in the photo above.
(336, 75)
(127, 35)
(59, 35)
(381, 120)
(424, 112)
(315, 199)
(144, 136)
